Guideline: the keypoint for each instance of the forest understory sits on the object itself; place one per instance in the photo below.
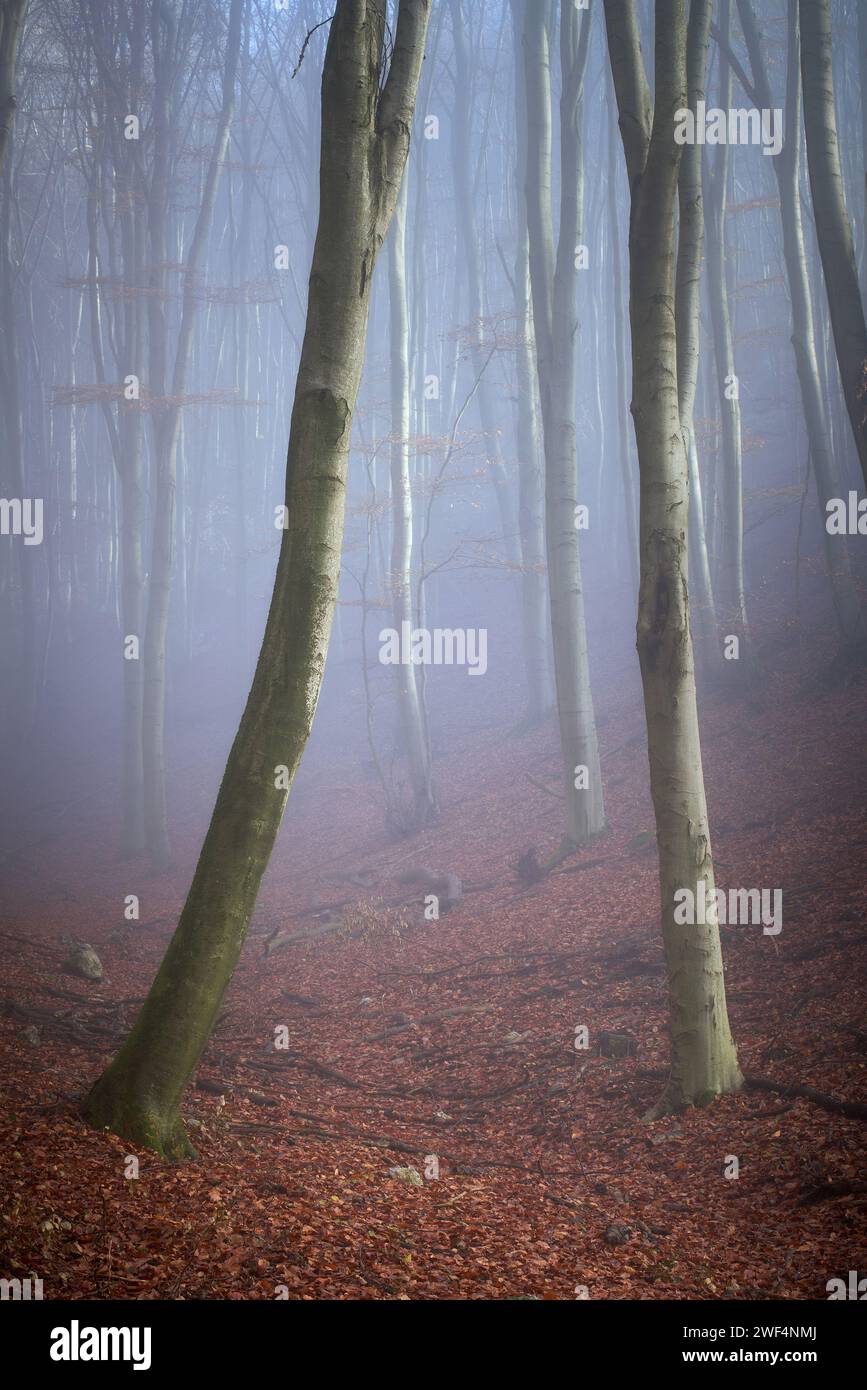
(408, 1039)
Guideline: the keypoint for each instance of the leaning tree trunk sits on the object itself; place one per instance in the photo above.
(847, 604)
(703, 1057)
(365, 138)
(688, 313)
(554, 313)
(424, 808)
(833, 230)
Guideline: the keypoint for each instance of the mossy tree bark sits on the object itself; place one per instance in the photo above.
(833, 229)
(703, 1057)
(365, 139)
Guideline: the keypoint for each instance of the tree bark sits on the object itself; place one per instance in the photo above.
(167, 423)
(703, 1057)
(833, 230)
(531, 506)
(731, 597)
(12, 14)
(847, 604)
(553, 281)
(424, 807)
(365, 138)
(688, 314)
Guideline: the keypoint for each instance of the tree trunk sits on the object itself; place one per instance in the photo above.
(461, 132)
(531, 506)
(11, 23)
(688, 313)
(703, 1057)
(365, 137)
(731, 598)
(554, 314)
(424, 808)
(847, 604)
(833, 230)
(167, 422)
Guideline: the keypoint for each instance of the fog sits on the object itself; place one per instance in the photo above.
(159, 209)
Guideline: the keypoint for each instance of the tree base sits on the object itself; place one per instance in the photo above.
(136, 1122)
(674, 1102)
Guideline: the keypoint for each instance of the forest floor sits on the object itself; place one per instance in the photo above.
(453, 1040)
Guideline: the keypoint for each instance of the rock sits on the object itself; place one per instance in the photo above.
(407, 1175)
(83, 962)
(32, 1035)
(617, 1234)
(617, 1045)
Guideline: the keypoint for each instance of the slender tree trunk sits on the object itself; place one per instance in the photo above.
(461, 131)
(731, 597)
(166, 434)
(833, 229)
(554, 314)
(621, 383)
(847, 604)
(12, 14)
(531, 505)
(424, 806)
(365, 137)
(703, 1057)
(688, 312)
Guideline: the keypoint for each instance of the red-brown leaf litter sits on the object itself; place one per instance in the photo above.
(448, 1046)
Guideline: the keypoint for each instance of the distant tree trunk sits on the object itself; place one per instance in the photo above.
(621, 382)
(11, 23)
(703, 1057)
(847, 604)
(862, 73)
(531, 504)
(461, 131)
(731, 597)
(833, 230)
(167, 421)
(365, 138)
(555, 318)
(424, 808)
(688, 313)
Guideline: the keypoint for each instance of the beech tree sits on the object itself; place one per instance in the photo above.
(847, 604)
(833, 228)
(553, 280)
(703, 1057)
(12, 14)
(366, 124)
